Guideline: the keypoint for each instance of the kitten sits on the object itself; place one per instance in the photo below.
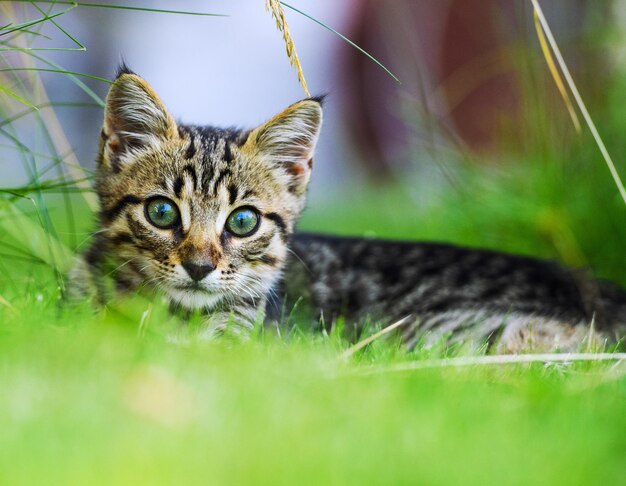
(207, 216)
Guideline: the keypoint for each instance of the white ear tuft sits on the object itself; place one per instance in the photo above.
(134, 119)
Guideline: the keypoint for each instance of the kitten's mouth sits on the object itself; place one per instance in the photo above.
(193, 287)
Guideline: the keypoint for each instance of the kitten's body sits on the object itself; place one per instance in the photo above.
(517, 303)
(205, 181)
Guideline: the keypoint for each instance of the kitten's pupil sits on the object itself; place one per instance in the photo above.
(242, 222)
(162, 213)
(163, 210)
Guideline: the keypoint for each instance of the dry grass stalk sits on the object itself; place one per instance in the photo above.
(507, 359)
(579, 101)
(278, 13)
(361, 344)
(545, 49)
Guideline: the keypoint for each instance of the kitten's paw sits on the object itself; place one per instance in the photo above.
(225, 325)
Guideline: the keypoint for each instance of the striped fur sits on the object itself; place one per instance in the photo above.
(511, 303)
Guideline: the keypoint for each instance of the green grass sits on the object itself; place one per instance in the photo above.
(95, 404)
(103, 397)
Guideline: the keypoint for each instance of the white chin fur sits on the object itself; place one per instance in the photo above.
(190, 299)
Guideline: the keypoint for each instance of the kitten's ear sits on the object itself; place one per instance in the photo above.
(288, 140)
(134, 119)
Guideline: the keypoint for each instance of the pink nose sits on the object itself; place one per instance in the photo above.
(197, 272)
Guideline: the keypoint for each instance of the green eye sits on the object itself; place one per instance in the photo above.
(162, 213)
(242, 222)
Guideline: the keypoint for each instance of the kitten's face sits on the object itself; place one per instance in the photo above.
(202, 213)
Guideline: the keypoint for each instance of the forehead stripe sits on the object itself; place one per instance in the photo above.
(228, 155)
(207, 174)
(189, 169)
(248, 193)
(178, 186)
(219, 179)
(164, 184)
(232, 194)
(191, 149)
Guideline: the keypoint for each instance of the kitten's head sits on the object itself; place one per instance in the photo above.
(203, 213)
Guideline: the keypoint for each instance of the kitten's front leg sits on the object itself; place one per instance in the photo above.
(237, 322)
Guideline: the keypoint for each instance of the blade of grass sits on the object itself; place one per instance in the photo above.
(48, 123)
(370, 339)
(26, 31)
(126, 7)
(328, 27)
(49, 186)
(46, 248)
(26, 259)
(43, 213)
(488, 361)
(41, 106)
(17, 97)
(545, 48)
(42, 155)
(41, 49)
(38, 237)
(88, 91)
(81, 47)
(30, 23)
(60, 71)
(8, 305)
(18, 251)
(579, 101)
(58, 142)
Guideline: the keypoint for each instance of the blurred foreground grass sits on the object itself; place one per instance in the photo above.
(95, 404)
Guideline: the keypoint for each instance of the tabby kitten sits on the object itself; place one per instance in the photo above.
(207, 216)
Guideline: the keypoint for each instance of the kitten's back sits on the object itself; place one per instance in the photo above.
(450, 289)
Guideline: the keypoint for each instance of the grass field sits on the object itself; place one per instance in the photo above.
(90, 402)
(102, 397)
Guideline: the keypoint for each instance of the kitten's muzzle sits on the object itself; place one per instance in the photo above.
(197, 272)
